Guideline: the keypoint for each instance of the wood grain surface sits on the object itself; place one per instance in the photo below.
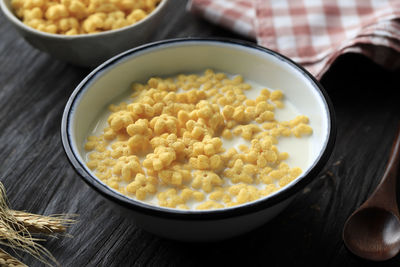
(34, 169)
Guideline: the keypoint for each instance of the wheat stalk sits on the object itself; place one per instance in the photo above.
(42, 224)
(9, 261)
(16, 228)
(17, 236)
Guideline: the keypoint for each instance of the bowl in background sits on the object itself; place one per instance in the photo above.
(171, 57)
(88, 50)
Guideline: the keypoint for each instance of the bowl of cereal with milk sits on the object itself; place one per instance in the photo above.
(85, 32)
(198, 139)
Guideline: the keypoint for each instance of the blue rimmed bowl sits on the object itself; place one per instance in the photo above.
(114, 77)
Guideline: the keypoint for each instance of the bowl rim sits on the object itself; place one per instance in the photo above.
(9, 13)
(240, 210)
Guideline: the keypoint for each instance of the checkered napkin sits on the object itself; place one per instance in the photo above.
(313, 32)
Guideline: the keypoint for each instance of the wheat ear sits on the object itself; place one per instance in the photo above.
(43, 224)
(16, 235)
(9, 261)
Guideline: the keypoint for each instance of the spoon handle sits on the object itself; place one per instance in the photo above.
(384, 195)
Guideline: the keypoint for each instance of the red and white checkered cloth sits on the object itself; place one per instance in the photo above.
(313, 32)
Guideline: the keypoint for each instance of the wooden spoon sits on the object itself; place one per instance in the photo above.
(373, 231)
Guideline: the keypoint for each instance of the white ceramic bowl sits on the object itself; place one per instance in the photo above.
(88, 50)
(171, 57)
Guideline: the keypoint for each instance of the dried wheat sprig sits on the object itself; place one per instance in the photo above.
(43, 224)
(9, 261)
(15, 235)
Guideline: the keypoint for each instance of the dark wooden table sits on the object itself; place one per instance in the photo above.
(34, 169)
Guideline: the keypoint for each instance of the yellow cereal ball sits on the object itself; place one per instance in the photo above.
(216, 162)
(34, 13)
(183, 117)
(136, 15)
(56, 12)
(302, 129)
(276, 95)
(92, 164)
(261, 99)
(198, 196)
(209, 150)
(228, 112)
(203, 162)
(227, 134)
(295, 172)
(238, 114)
(267, 116)
(251, 157)
(284, 181)
(66, 24)
(265, 92)
(77, 9)
(94, 22)
(209, 205)
(16, 4)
